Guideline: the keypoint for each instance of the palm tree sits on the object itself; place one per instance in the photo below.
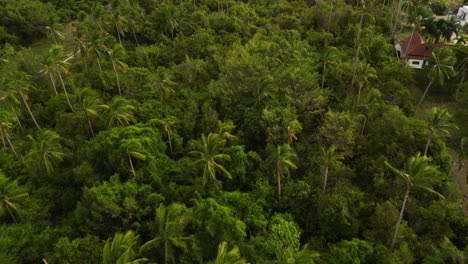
(364, 75)
(116, 54)
(57, 56)
(121, 250)
(283, 162)
(225, 130)
(329, 158)
(6, 123)
(171, 222)
(439, 121)
(208, 154)
(46, 150)
(49, 68)
(418, 168)
(10, 195)
(54, 31)
(119, 112)
(330, 55)
(18, 84)
(134, 149)
(89, 103)
(369, 101)
(294, 128)
(95, 47)
(440, 68)
(228, 257)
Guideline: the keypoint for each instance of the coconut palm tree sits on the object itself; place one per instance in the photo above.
(57, 55)
(294, 128)
(370, 99)
(417, 169)
(46, 150)
(54, 32)
(228, 257)
(11, 194)
(209, 154)
(95, 47)
(438, 122)
(365, 73)
(6, 124)
(440, 68)
(134, 149)
(121, 249)
(89, 102)
(170, 224)
(116, 55)
(329, 158)
(329, 57)
(283, 163)
(48, 66)
(119, 112)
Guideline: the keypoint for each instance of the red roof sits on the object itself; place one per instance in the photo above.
(415, 47)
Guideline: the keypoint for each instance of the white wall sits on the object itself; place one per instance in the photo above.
(417, 64)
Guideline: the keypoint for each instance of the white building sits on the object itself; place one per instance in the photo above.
(415, 50)
(462, 15)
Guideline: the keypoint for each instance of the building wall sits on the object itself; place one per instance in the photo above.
(416, 64)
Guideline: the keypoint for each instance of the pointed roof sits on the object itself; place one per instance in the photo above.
(415, 47)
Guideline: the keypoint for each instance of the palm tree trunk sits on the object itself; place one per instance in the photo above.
(3, 136)
(117, 77)
(397, 226)
(168, 132)
(424, 95)
(11, 145)
(134, 35)
(52, 80)
(99, 63)
(118, 33)
(278, 174)
(325, 178)
(364, 125)
(17, 119)
(29, 109)
(428, 143)
(65, 90)
(131, 164)
(11, 213)
(359, 94)
(323, 73)
(89, 123)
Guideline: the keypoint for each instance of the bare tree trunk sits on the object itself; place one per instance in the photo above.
(323, 73)
(424, 95)
(116, 76)
(400, 217)
(89, 123)
(65, 89)
(52, 80)
(131, 164)
(428, 143)
(278, 174)
(45, 261)
(29, 110)
(325, 178)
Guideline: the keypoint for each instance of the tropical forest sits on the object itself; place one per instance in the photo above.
(233, 131)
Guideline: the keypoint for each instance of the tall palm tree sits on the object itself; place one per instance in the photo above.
(369, 101)
(170, 224)
(134, 149)
(209, 154)
(418, 168)
(57, 55)
(119, 112)
(89, 102)
(364, 75)
(95, 47)
(46, 150)
(439, 121)
(283, 162)
(329, 158)
(116, 55)
(228, 257)
(10, 196)
(121, 249)
(329, 57)
(6, 123)
(48, 66)
(294, 128)
(54, 32)
(440, 68)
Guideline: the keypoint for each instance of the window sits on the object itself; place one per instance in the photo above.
(415, 62)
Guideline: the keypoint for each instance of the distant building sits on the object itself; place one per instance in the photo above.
(415, 51)
(462, 15)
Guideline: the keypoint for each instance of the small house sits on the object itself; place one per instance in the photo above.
(414, 49)
(462, 15)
